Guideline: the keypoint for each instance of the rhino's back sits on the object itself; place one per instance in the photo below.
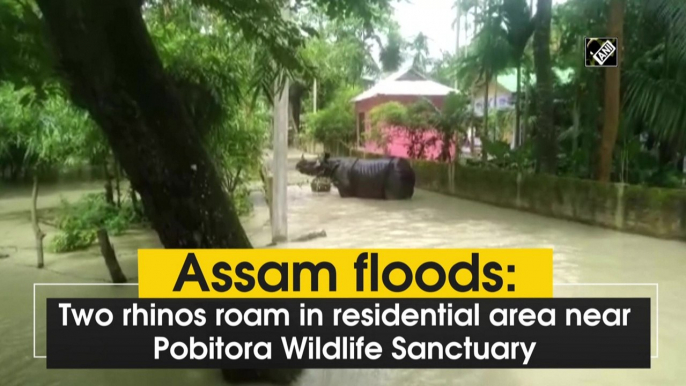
(368, 177)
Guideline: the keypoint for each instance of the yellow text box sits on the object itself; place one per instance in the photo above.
(345, 273)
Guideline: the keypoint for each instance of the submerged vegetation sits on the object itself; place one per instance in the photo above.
(79, 222)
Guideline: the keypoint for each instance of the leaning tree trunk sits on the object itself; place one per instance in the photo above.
(115, 72)
(113, 267)
(37, 232)
(611, 109)
(545, 130)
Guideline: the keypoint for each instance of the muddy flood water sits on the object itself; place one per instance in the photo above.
(582, 254)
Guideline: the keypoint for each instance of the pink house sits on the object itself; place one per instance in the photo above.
(405, 87)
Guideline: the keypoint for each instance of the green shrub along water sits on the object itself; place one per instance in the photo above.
(78, 222)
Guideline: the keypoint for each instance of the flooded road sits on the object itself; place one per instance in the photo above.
(582, 254)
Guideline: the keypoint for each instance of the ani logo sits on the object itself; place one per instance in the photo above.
(601, 52)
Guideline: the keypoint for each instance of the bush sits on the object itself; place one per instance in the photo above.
(388, 114)
(79, 222)
(336, 123)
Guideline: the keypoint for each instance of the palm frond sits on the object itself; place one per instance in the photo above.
(673, 14)
(657, 102)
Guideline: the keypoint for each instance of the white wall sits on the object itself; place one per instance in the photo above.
(498, 98)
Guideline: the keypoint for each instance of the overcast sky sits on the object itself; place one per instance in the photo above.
(434, 18)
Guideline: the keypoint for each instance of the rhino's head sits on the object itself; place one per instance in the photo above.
(315, 167)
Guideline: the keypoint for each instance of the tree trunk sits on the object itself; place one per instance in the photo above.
(484, 132)
(576, 112)
(107, 251)
(472, 130)
(296, 95)
(518, 106)
(612, 104)
(448, 142)
(545, 130)
(526, 97)
(296, 107)
(114, 71)
(576, 119)
(117, 180)
(526, 102)
(37, 232)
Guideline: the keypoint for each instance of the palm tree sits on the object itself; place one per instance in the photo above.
(451, 121)
(655, 86)
(546, 136)
(492, 52)
(467, 7)
(519, 26)
(420, 49)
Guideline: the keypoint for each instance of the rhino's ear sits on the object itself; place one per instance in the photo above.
(302, 157)
(326, 156)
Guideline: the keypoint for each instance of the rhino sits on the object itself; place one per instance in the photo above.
(383, 179)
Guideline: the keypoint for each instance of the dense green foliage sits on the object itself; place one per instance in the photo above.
(214, 68)
(336, 123)
(25, 56)
(79, 222)
(37, 134)
(651, 142)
